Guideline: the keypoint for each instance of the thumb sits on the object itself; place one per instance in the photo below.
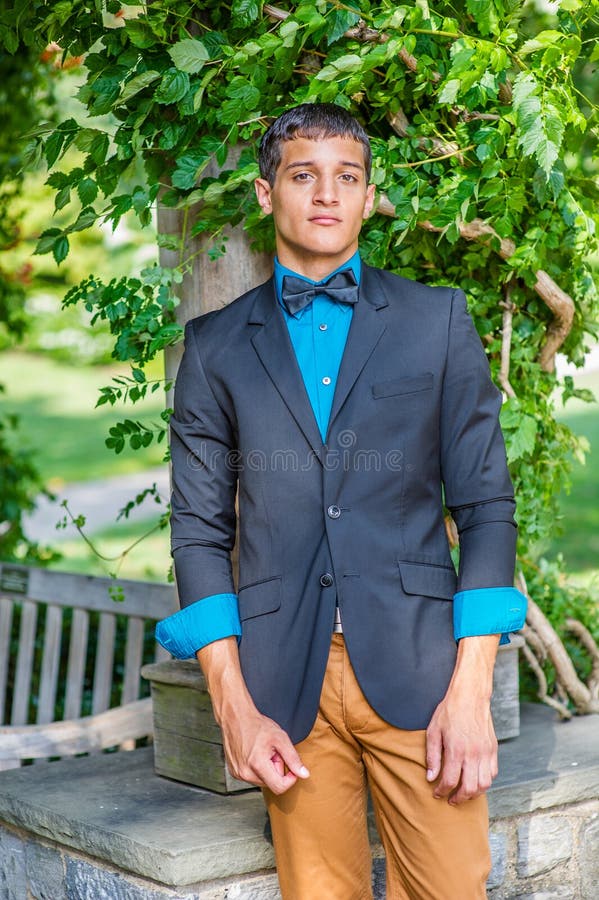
(433, 754)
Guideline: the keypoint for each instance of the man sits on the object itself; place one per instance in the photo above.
(342, 401)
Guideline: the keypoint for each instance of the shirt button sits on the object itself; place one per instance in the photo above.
(326, 580)
(323, 326)
(326, 380)
(334, 512)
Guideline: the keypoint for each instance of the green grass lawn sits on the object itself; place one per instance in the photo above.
(579, 540)
(55, 403)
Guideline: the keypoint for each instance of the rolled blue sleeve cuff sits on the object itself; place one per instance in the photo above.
(496, 610)
(195, 626)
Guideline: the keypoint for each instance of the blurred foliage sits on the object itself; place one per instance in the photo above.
(483, 109)
(25, 95)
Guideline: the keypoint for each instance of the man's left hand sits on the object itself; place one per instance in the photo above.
(461, 747)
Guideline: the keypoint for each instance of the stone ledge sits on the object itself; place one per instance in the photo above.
(549, 764)
(113, 807)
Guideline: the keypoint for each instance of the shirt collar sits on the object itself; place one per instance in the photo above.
(354, 263)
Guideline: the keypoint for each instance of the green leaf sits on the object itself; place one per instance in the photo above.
(99, 148)
(52, 147)
(197, 100)
(87, 190)
(60, 249)
(485, 15)
(46, 241)
(540, 127)
(63, 197)
(189, 55)
(540, 41)
(85, 218)
(340, 21)
(244, 12)
(173, 87)
(140, 34)
(288, 31)
(190, 166)
(137, 84)
(344, 65)
(449, 91)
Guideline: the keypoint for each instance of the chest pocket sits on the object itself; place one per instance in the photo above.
(411, 384)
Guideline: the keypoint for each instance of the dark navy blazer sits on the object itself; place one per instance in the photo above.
(358, 518)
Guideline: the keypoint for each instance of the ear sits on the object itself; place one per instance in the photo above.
(263, 193)
(369, 201)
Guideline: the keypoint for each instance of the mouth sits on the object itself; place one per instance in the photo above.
(325, 220)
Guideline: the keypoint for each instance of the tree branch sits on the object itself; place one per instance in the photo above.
(560, 303)
(542, 693)
(562, 307)
(588, 642)
(360, 32)
(506, 344)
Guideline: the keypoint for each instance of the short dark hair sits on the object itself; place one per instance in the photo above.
(314, 121)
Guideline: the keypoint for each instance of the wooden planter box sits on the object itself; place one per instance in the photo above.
(188, 743)
(505, 702)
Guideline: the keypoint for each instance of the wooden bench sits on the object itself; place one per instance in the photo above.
(70, 661)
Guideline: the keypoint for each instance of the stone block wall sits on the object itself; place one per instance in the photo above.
(548, 855)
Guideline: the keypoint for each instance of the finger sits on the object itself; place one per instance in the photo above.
(433, 754)
(276, 782)
(468, 786)
(278, 763)
(285, 749)
(449, 779)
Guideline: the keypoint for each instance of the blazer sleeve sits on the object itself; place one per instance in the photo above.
(204, 482)
(478, 487)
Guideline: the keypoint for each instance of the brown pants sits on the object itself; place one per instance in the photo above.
(434, 851)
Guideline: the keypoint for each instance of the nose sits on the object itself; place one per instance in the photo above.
(325, 193)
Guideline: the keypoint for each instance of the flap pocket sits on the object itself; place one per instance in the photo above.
(259, 598)
(428, 581)
(408, 385)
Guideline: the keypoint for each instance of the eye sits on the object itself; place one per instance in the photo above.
(302, 176)
(348, 177)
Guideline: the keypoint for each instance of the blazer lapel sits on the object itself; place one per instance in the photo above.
(273, 345)
(364, 333)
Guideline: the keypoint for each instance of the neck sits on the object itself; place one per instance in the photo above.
(313, 267)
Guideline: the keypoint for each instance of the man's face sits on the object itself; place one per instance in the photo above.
(318, 201)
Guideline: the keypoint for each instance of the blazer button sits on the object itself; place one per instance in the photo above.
(326, 580)
(334, 512)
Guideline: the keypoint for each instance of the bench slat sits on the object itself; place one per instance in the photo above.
(104, 663)
(50, 665)
(133, 659)
(141, 598)
(76, 665)
(20, 704)
(6, 608)
(80, 736)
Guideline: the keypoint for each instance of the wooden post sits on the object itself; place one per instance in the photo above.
(210, 284)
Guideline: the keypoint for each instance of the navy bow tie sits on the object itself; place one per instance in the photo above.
(297, 293)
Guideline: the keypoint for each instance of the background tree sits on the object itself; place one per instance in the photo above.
(26, 93)
(482, 135)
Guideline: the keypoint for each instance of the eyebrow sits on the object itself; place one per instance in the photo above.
(309, 162)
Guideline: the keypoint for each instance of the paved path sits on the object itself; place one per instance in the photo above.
(99, 501)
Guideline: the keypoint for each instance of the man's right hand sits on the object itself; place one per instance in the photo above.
(259, 751)
(256, 748)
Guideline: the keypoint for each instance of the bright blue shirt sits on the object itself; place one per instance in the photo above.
(318, 334)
